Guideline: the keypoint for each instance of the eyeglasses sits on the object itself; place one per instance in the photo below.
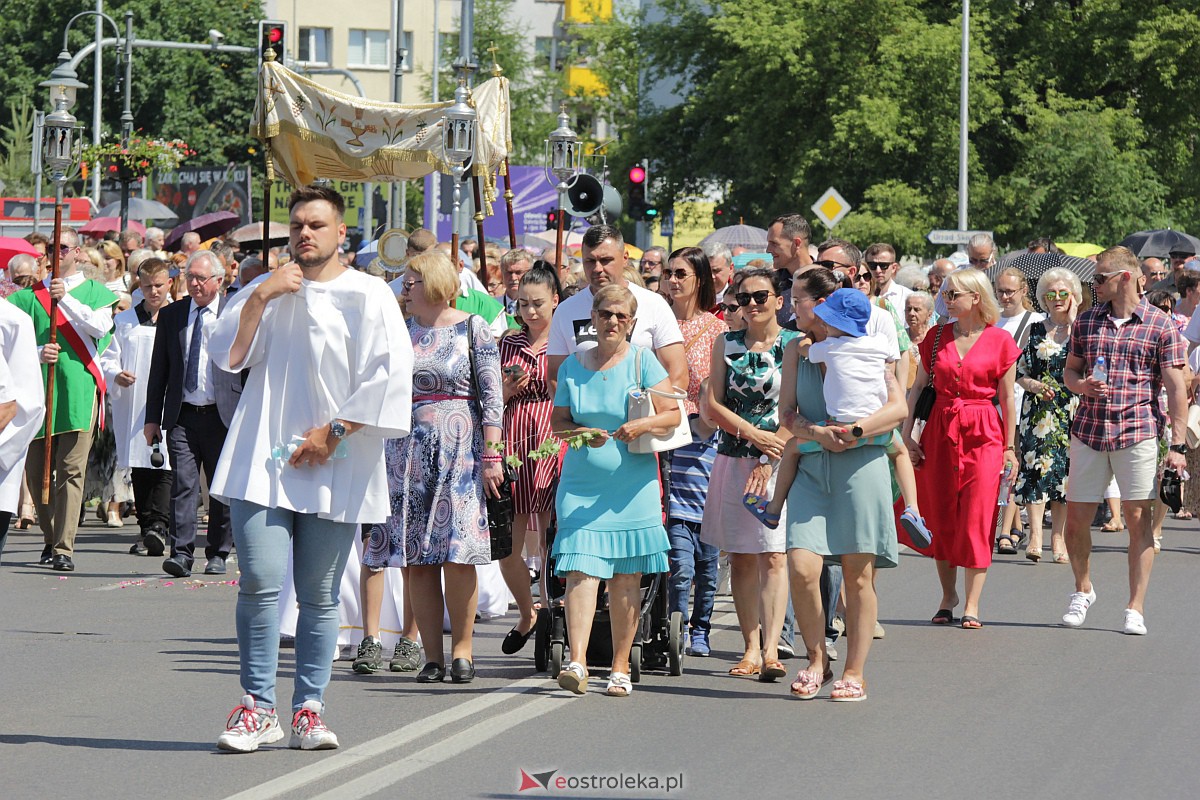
(63, 249)
(1156, 276)
(1007, 292)
(980, 262)
(1061, 294)
(878, 265)
(619, 316)
(677, 274)
(191, 278)
(827, 264)
(758, 298)
(409, 284)
(1102, 277)
(952, 295)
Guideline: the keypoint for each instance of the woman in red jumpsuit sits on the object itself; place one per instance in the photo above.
(966, 444)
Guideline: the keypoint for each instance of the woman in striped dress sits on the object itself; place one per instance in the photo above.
(527, 406)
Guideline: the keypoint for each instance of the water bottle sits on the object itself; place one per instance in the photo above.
(1005, 485)
(1100, 369)
(282, 452)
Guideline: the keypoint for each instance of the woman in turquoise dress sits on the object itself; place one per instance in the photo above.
(839, 508)
(610, 524)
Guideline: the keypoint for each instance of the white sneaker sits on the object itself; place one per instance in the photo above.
(1078, 607)
(1135, 623)
(249, 726)
(309, 731)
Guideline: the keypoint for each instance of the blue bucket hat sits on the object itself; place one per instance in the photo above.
(847, 310)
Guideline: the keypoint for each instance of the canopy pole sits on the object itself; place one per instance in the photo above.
(508, 202)
(266, 238)
(475, 187)
(55, 260)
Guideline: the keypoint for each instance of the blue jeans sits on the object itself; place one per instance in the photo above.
(321, 549)
(692, 561)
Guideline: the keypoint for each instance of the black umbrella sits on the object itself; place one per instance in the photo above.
(1161, 243)
(1035, 265)
(208, 226)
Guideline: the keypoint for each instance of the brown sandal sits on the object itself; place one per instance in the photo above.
(745, 668)
(771, 671)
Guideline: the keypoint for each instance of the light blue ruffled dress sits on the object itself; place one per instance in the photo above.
(608, 503)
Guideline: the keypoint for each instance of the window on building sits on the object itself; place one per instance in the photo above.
(367, 48)
(448, 47)
(313, 46)
(543, 53)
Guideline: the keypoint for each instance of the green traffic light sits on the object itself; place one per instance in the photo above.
(651, 213)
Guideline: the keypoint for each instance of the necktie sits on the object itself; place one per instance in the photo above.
(191, 373)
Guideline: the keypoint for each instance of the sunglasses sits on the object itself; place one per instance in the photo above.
(677, 274)
(1102, 277)
(979, 262)
(408, 285)
(758, 298)
(827, 264)
(862, 277)
(878, 265)
(619, 316)
(730, 308)
(1061, 294)
(952, 295)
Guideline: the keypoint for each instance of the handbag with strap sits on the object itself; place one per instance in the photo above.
(500, 510)
(641, 405)
(925, 400)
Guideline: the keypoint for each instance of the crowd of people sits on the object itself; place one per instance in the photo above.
(359, 439)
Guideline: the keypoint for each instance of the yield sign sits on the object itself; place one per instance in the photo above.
(831, 207)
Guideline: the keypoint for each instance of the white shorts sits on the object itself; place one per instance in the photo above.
(1134, 468)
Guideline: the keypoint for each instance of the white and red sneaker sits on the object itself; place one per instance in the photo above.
(249, 726)
(309, 731)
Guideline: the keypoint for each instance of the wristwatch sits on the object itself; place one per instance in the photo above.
(337, 429)
(1179, 448)
(856, 431)
(764, 459)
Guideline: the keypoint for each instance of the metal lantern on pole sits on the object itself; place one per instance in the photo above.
(458, 146)
(563, 153)
(58, 157)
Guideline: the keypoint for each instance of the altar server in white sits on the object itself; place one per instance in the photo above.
(22, 406)
(125, 364)
(330, 378)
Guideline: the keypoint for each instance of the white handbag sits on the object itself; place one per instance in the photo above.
(1193, 427)
(640, 405)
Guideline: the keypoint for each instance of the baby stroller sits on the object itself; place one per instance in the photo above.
(657, 644)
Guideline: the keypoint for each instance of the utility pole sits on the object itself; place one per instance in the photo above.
(398, 197)
(962, 118)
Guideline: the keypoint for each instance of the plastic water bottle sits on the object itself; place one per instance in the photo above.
(1100, 369)
(1005, 485)
(282, 452)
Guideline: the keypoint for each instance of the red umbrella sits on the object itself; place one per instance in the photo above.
(102, 225)
(208, 226)
(11, 246)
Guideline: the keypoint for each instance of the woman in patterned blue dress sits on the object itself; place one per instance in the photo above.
(439, 473)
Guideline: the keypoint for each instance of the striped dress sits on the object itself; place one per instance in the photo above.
(527, 425)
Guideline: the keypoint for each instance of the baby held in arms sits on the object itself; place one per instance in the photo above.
(854, 364)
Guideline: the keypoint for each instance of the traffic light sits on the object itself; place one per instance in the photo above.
(552, 219)
(721, 216)
(637, 192)
(272, 35)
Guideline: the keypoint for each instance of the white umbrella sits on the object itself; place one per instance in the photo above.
(747, 236)
(140, 208)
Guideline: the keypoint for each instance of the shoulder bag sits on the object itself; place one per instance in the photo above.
(925, 400)
(640, 405)
(500, 509)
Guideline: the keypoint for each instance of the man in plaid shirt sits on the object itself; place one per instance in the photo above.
(1116, 430)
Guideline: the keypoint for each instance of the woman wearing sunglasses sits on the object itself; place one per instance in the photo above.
(1046, 413)
(688, 281)
(743, 400)
(609, 512)
(966, 444)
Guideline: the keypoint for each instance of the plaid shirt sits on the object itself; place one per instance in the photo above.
(1136, 354)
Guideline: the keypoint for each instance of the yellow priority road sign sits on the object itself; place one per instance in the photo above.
(831, 207)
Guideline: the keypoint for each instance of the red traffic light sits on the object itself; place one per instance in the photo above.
(275, 35)
(637, 174)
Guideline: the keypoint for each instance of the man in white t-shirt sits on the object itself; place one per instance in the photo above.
(654, 327)
(880, 260)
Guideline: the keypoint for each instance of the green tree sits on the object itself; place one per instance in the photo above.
(16, 145)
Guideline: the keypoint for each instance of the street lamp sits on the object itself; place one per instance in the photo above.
(58, 155)
(562, 161)
(458, 146)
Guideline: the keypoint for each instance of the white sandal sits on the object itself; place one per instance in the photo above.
(573, 678)
(619, 685)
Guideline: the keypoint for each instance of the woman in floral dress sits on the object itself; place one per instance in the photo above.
(1046, 413)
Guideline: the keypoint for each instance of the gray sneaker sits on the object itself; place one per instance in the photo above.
(370, 656)
(407, 657)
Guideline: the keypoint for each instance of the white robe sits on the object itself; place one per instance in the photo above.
(21, 381)
(129, 351)
(332, 350)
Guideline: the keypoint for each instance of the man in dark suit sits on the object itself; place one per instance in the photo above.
(194, 402)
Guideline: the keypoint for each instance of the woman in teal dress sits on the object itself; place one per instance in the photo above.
(839, 508)
(610, 524)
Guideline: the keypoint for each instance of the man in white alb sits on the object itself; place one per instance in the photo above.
(330, 377)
